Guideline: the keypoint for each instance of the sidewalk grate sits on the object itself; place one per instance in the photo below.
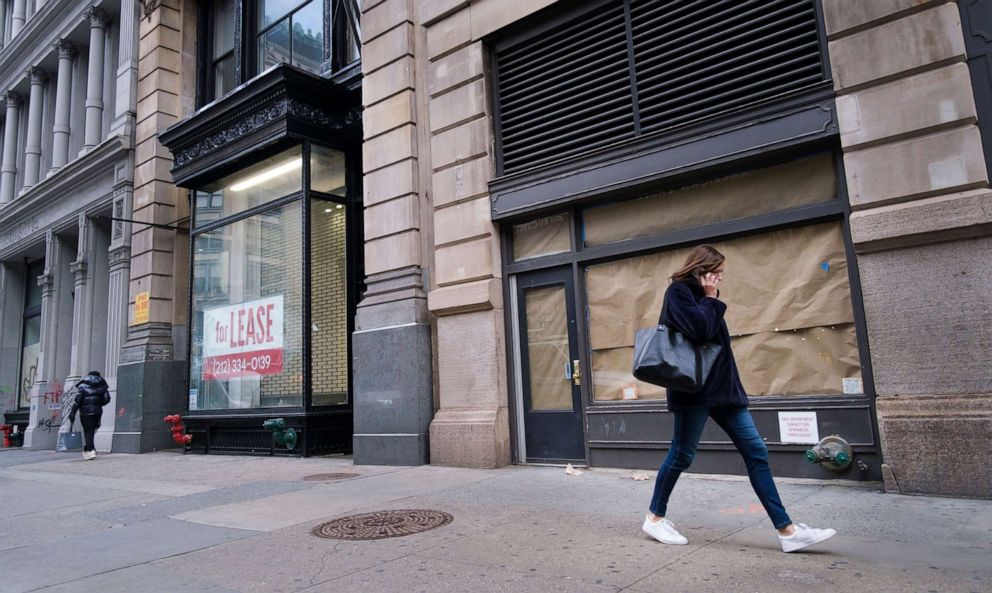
(382, 524)
(329, 477)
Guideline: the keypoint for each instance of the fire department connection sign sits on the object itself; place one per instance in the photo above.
(243, 340)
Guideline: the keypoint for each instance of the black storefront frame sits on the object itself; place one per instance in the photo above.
(579, 257)
(354, 271)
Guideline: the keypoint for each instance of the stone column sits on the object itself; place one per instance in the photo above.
(393, 381)
(119, 270)
(63, 95)
(32, 144)
(94, 80)
(8, 168)
(127, 72)
(922, 228)
(17, 17)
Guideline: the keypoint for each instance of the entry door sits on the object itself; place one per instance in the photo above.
(551, 372)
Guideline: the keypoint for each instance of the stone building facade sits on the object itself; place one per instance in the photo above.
(68, 71)
(905, 99)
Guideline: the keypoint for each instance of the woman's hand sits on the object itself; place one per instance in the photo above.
(709, 282)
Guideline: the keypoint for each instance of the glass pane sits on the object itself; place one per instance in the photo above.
(760, 191)
(327, 172)
(308, 36)
(271, 11)
(248, 313)
(223, 76)
(789, 312)
(542, 236)
(262, 182)
(33, 296)
(30, 349)
(329, 295)
(273, 46)
(347, 30)
(223, 24)
(547, 348)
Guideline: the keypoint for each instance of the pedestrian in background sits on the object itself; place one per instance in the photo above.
(92, 394)
(694, 309)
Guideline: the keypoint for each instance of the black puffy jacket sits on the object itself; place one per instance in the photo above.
(92, 395)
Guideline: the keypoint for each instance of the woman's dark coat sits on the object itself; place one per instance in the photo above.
(700, 318)
(93, 394)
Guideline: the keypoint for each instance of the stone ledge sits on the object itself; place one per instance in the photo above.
(932, 443)
(919, 222)
(470, 438)
(845, 17)
(463, 298)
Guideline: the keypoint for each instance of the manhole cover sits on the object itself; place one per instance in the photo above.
(382, 524)
(329, 477)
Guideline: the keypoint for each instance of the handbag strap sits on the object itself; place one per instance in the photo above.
(664, 307)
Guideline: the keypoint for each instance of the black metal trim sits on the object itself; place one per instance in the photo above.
(307, 287)
(631, 67)
(253, 211)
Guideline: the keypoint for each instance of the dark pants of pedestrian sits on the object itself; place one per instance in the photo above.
(90, 424)
(736, 421)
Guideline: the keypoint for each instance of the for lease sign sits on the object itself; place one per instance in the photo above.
(243, 340)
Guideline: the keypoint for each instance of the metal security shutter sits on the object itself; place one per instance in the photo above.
(631, 67)
(697, 58)
(566, 92)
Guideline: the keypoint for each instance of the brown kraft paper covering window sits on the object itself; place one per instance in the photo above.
(793, 279)
(547, 348)
(760, 191)
(542, 236)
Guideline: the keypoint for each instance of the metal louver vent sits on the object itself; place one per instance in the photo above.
(566, 92)
(697, 58)
(631, 67)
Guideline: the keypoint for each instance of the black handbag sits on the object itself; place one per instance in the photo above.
(665, 357)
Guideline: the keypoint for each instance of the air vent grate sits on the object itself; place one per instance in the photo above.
(573, 89)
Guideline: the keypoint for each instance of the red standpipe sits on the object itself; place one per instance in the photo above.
(177, 430)
(6, 428)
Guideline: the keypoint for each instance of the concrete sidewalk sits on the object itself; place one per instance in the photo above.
(172, 522)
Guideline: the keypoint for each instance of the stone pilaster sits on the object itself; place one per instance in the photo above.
(32, 144)
(11, 312)
(151, 378)
(3, 23)
(94, 81)
(127, 72)
(922, 227)
(8, 169)
(18, 16)
(393, 386)
(63, 94)
(55, 347)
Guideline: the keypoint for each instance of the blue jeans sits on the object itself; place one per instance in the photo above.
(736, 421)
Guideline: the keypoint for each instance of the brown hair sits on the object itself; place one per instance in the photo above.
(703, 259)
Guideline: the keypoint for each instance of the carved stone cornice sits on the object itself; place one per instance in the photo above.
(47, 283)
(37, 75)
(119, 257)
(79, 270)
(282, 103)
(65, 49)
(97, 18)
(12, 98)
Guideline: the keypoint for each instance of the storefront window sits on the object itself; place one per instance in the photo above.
(545, 235)
(329, 299)
(31, 336)
(790, 314)
(268, 180)
(327, 172)
(759, 191)
(247, 341)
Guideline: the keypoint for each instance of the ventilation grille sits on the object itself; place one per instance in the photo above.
(572, 90)
(566, 92)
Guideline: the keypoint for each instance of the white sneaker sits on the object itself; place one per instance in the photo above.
(805, 536)
(89, 455)
(663, 531)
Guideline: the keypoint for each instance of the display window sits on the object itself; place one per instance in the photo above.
(269, 327)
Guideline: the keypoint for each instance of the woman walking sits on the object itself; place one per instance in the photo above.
(694, 309)
(93, 394)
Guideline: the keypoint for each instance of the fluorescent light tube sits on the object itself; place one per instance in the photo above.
(268, 174)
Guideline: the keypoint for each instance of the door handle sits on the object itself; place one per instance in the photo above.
(576, 373)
